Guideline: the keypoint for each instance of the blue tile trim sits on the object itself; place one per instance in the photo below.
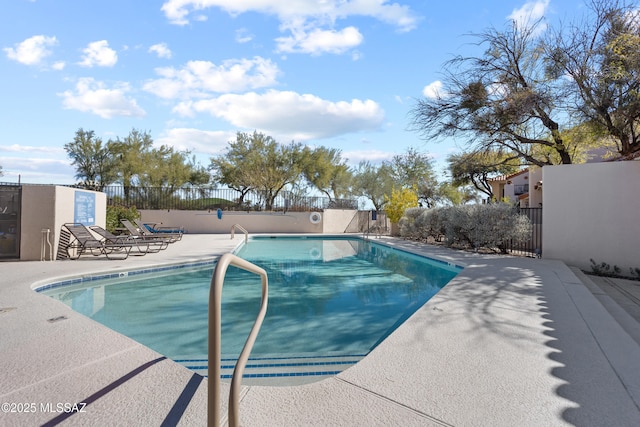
(92, 278)
(272, 358)
(278, 365)
(285, 374)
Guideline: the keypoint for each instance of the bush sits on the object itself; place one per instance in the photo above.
(475, 226)
(116, 213)
(408, 223)
(399, 202)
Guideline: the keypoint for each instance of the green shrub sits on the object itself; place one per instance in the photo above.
(116, 213)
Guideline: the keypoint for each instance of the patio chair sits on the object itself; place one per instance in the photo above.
(82, 241)
(155, 229)
(142, 244)
(139, 232)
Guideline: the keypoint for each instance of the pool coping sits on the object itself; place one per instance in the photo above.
(553, 340)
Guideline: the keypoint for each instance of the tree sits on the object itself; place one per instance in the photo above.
(476, 168)
(93, 161)
(325, 170)
(233, 168)
(400, 200)
(602, 58)
(277, 166)
(132, 156)
(166, 171)
(500, 100)
(134, 162)
(451, 194)
(256, 162)
(413, 169)
(373, 182)
(170, 169)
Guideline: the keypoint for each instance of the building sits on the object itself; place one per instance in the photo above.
(523, 188)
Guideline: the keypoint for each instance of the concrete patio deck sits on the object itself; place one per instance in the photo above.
(508, 342)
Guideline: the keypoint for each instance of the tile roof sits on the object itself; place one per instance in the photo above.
(506, 177)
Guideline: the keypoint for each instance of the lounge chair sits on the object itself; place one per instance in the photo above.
(139, 232)
(142, 244)
(155, 229)
(82, 241)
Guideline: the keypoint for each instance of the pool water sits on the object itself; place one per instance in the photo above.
(331, 301)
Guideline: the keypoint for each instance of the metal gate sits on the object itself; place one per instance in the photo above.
(10, 206)
(533, 246)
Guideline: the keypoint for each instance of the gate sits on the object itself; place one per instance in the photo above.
(10, 217)
(533, 246)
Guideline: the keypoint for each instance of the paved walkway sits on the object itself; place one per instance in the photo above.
(620, 297)
(508, 342)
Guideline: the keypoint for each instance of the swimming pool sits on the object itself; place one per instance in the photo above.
(331, 300)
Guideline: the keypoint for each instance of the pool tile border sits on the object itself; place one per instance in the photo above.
(122, 273)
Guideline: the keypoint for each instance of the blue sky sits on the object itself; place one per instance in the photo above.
(336, 73)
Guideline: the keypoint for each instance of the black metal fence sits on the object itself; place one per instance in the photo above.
(202, 198)
(533, 246)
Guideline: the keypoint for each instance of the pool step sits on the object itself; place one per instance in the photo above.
(279, 370)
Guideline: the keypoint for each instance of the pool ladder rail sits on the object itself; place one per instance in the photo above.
(376, 229)
(241, 228)
(215, 327)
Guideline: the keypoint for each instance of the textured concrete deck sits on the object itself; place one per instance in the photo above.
(510, 341)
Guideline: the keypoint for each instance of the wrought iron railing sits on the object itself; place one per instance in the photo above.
(533, 245)
(202, 198)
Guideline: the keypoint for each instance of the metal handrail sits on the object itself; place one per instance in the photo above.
(378, 233)
(215, 327)
(241, 228)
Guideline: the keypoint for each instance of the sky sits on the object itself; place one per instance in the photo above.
(341, 74)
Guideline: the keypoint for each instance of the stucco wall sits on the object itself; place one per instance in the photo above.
(48, 207)
(591, 211)
(535, 194)
(200, 222)
(337, 220)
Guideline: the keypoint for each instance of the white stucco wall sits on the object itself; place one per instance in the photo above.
(200, 222)
(591, 211)
(48, 207)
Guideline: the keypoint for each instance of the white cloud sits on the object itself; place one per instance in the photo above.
(529, 14)
(161, 49)
(319, 41)
(300, 117)
(99, 53)
(37, 170)
(309, 21)
(199, 78)
(177, 11)
(243, 35)
(433, 90)
(196, 140)
(15, 148)
(374, 156)
(94, 97)
(31, 51)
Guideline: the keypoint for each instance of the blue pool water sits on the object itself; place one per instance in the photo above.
(331, 300)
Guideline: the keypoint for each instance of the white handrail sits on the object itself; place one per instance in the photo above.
(241, 228)
(215, 326)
